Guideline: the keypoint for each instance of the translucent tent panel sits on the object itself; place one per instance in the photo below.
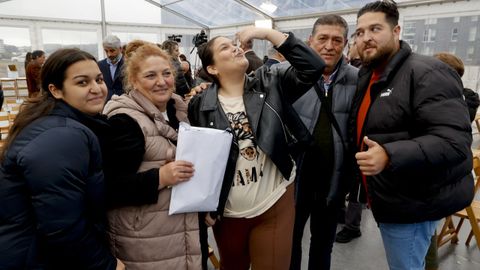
(214, 13)
(19, 36)
(127, 37)
(54, 39)
(128, 11)
(68, 36)
(166, 2)
(116, 11)
(281, 8)
(194, 13)
(169, 18)
(55, 9)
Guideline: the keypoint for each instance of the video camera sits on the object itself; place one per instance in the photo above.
(200, 38)
(176, 38)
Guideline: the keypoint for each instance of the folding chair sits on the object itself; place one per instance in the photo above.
(449, 231)
(213, 258)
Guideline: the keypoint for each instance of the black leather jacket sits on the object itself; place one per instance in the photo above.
(268, 95)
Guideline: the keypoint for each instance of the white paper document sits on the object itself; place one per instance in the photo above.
(208, 150)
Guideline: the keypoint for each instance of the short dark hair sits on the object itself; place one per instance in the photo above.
(388, 7)
(331, 19)
(36, 54)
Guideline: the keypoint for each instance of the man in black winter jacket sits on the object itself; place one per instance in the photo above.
(412, 133)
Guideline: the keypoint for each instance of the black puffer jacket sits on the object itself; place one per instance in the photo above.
(52, 213)
(267, 97)
(420, 118)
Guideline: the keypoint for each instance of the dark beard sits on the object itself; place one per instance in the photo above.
(376, 60)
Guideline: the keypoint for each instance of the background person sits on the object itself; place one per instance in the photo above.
(253, 223)
(352, 215)
(28, 59)
(112, 65)
(254, 62)
(53, 212)
(353, 56)
(187, 70)
(471, 97)
(274, 57)
(181, 85)
(33, 73)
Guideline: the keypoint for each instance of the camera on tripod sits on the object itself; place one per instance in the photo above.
(176, 38)
(200, 38)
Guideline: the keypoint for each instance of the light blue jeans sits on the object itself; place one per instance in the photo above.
(406, 244)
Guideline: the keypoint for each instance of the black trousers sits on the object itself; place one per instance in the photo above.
(323, 225)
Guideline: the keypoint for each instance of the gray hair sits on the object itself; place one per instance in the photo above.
(112, 41)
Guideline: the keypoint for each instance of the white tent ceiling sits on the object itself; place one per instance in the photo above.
(206, 14)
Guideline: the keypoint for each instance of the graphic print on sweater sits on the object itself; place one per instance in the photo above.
(257, 183)
(249, 167)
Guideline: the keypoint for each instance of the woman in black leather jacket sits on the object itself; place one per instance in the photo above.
(253, 223)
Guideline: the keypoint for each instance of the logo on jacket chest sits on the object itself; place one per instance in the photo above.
(387, 92)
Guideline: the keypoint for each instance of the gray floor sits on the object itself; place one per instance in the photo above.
(366, 252)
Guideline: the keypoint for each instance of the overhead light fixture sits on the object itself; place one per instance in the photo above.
(268, 7)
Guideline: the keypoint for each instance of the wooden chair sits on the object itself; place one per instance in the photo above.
(213, 258)
(449, 231)
(12, 115)
(477, 121)
(10, 101)
(475, 214)
(4, 126)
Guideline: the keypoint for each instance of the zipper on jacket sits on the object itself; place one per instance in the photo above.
(283, 126)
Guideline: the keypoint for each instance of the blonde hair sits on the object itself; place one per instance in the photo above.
(137, 55)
